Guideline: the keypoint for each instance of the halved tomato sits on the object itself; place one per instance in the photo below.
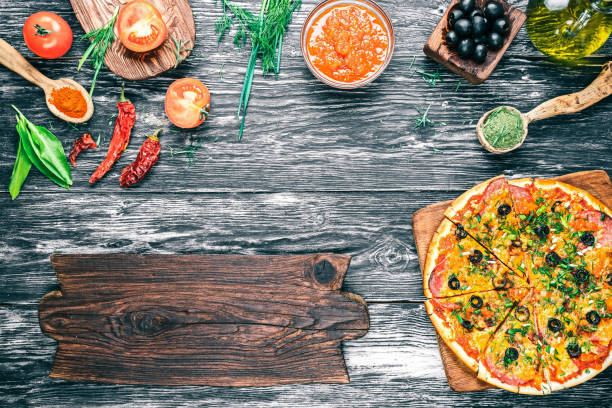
(187, 102)
(47, 35)
(140, 26)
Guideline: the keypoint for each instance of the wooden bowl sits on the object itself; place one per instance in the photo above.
(325, 6)
(436, 48)
(488, 146)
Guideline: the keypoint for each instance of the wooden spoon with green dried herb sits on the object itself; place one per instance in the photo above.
(504, 129)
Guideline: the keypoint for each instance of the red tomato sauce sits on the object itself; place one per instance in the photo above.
(347, 43)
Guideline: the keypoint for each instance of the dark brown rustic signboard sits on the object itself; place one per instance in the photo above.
(425, 222)
(201, 319)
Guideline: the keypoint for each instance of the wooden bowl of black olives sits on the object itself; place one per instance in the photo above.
(473, 35)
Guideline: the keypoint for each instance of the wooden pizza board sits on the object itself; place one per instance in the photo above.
(425, 222)
(177, 15)
(201, 319)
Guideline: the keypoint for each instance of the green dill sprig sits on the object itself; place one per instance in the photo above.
(178, 47)
(265, 31)
(188, 151)
(431, 79)
(423, 121)
(101, 39)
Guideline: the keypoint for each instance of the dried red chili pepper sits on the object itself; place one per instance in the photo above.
(82, 143)
(147, 157)
(121, 136)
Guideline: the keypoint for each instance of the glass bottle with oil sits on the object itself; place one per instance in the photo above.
(569, 29)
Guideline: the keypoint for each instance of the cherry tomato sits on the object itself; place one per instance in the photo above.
(187, 102)
(47, 35)
(140, 26)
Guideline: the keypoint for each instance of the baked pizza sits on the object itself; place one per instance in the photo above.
(518, 280)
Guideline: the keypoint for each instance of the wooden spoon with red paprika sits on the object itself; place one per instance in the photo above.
(65, 98)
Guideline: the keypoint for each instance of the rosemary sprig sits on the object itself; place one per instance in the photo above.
(423, 120)
(101, 39)
(178, 47)
(188, 151)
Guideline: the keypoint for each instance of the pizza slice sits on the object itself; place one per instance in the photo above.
(564, 231)
(487, 213)
(466, 322)
(457, 264)
(512, 358)
(576, 333)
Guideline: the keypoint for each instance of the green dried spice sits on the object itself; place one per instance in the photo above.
(503, 128)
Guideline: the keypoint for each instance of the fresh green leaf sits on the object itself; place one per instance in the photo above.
(20, 171)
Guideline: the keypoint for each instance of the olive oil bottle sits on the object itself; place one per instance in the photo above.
(569, 29)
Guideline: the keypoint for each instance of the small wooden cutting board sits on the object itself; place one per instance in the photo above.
(177, 15)
(425, 222)
(201, 319)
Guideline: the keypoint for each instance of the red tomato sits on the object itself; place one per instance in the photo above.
(187, 102)
(47, 35)
(140, 26)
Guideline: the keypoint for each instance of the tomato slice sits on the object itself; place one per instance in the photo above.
(47, 35)
(140, 26)
(187, 102)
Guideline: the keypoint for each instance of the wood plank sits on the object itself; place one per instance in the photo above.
(201, 319)
(425, 223)
(368, 141)
(395, 364)
(375, 229)
(436, 48)
(178, 17)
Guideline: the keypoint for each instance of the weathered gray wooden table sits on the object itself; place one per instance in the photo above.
(318, 170)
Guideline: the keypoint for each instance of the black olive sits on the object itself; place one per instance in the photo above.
(504, 209)
(542, 231)
(476, 302)
(495, 40)
(581, 274)
(511, 354)
(454, 283)
(476, 257)
(452, 38)
(480, 53)
(555, 205)
(501, 26)
(573, 350)
(480, 40)
(516, 243)
(554, 325)
(500, 282)
(552, 259)
(460, 233)
(593, 317)
(463, 27)
(609, 279)
(493, 10)
(587, 239)
(467, 6)
(476, 12)
(521, 313)
(454, 15)
(479, 26)
(467, 324)
(465, 48)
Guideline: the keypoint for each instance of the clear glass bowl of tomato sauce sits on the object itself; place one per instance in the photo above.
(347, 43)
